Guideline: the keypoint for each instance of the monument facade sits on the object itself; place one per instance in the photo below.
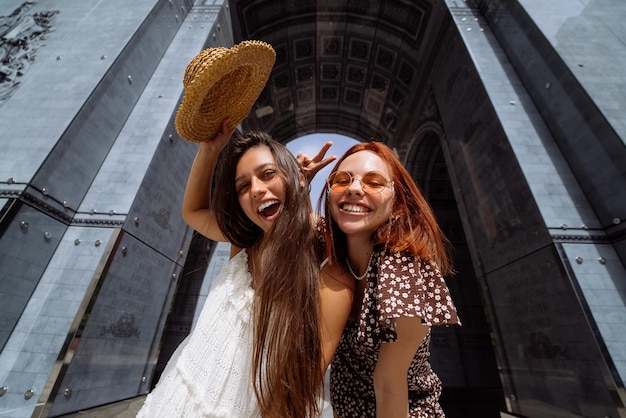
(509, 114)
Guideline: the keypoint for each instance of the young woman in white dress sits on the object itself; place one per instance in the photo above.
(273, 318)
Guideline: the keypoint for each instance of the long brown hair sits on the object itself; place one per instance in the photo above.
(412, 226)
(287, 349)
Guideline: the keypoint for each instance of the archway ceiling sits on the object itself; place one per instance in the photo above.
(354, 67)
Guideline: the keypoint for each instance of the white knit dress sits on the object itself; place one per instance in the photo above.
(209, 374)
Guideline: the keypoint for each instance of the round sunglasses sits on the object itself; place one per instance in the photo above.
(372, 182)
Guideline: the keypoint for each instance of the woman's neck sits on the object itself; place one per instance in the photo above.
(359, 254)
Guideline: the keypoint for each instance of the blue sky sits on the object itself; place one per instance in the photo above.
(310, 145)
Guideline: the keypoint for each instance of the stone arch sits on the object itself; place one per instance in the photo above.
(424, 159)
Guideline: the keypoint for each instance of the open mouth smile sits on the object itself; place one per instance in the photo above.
(269, 208)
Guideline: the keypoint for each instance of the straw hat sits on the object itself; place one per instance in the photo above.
(221, 83)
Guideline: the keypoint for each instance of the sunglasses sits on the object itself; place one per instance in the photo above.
(372, 183)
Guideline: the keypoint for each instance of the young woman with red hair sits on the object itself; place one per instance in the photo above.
(378, 225)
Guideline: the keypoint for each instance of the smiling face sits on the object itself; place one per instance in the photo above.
(357, 213)
(260, 188)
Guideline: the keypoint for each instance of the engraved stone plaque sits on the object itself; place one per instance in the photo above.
(116, 345)
(552, 355)
(155, 216)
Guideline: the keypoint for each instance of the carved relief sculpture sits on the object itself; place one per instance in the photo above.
(21, 35)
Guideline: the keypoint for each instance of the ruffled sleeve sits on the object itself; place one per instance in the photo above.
(404, 286)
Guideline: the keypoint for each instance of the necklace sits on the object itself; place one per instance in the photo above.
(366, 270)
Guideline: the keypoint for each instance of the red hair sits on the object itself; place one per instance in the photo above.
(412, 226)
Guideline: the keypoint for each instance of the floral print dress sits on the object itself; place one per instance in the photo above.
(398, 285)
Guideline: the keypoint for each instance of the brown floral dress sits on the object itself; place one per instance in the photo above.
(397, 285)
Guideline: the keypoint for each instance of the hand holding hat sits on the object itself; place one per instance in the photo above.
(222, 83)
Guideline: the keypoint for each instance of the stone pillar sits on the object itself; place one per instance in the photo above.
(538, 173)
(92, 242)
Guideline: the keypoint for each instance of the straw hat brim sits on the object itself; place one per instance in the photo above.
(222, 83)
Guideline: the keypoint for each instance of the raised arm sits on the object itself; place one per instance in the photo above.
(196, 209)
(390, 375)
(336, 297)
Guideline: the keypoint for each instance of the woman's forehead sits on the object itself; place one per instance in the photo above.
(362, 162)
(255, 157)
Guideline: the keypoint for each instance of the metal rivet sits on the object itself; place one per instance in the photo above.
(579, 260)
(585, 227)
(130, 79)
(47, 235)
(24, 225)
(65, 204)
(617, 221)
(563, 226)
(173, 276)
(103, 57)
(512, 102)
(112, 212)
(3, 390)
(11, 180)
(77, 241)
(469, 29)
(29, 394)
(67, 393)
(143, 379)
(547, 85)
(93, 211)
(59, 57)
(45, 191)
(219, 26)
(602, 260)
(136, 221)
(124, 250)
(98, 243)
(580, 65)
